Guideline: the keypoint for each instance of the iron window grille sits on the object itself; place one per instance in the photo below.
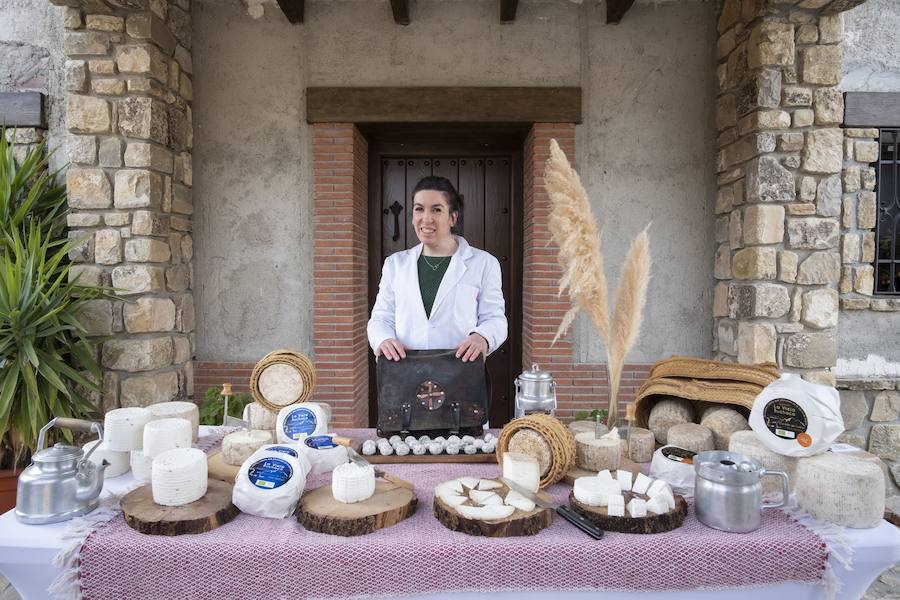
(887, 254)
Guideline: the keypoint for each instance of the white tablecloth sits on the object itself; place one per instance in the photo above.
(27, 551)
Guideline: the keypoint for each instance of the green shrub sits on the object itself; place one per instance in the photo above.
(213, 403)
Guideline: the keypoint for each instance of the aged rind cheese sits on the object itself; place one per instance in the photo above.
(529, 441)
(177, 410)
(841, 489)
(577, 427)
(239, 445)
(749, 444)
(119, 463)
(691, 436)
(269, 484)
(281, 384)
(641, 443)
(723, 422)
(179, 476)
(351, 483)
(298, 421)
(675, 466)
(522, 469)
(260, 417)
(597, 454)
(123, 428)
(166, 434)
(668, 412)
(141, 466)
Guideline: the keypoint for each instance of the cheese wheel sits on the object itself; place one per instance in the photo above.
(528, 441)
(179, 476)
(691, 436)
(586, 426)
(141, 466)
(123, 428)
(177, 410)
(258, 417)
(239, 445)
(118, 462)
(323, 453)
(166, 434)
(298, 421)
(723, 422)
(749, 444)
(841, 489)
(674, 466)
(667, 412)
(281, 384)
(593, 491)
(351, 483)
(523, 469)
(597, 454)
(269, 484)
(641, 443)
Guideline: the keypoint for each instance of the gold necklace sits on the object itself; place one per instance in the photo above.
(438, 265)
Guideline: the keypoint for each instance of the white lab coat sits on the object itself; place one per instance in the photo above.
(469, 299)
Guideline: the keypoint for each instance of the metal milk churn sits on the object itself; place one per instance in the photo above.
(728, 492)
(535, 392)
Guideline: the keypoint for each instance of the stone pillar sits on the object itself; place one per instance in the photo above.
(128, 115)
(778, 206)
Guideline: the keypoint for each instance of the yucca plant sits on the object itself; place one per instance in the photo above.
(47, 365)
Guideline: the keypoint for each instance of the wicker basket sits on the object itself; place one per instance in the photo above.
(698, 368)
(557, 436)
(298, 361)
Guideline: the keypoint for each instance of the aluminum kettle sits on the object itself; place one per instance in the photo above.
(60, 483)
(728, 491)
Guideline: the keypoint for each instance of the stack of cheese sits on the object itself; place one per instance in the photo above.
(271, 481)
(482, 499)
(123, 434)
(794, 423)
(177, 410)
(645, 494)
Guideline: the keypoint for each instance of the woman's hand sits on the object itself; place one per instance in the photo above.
(472, 347)
(391, 349)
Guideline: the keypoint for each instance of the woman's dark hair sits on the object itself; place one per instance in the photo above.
(435, 183)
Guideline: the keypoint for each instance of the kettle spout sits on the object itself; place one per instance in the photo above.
(90, 482)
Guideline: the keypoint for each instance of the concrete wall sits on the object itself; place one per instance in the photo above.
(32, 59)
(646, 146)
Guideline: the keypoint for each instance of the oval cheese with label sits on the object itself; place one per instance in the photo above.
(299, 421)
(675, 466)
(269, 484)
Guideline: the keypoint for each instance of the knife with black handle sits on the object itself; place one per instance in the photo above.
(562, 510)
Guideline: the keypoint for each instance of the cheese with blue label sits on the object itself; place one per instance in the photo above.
(269, 484)
(298, 421)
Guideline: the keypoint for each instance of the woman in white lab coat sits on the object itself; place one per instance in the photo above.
(442, 293)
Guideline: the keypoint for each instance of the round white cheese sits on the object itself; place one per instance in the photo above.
(723, 422)
(593, 491)
(293, 450)
(123, 428)
(166, 434)
(179, 476)
(691, 436)
(177, 410)
(298, 421)
(118, 462)
(269, 484)
(260, 417)
(351, 483)
(141, 466)
(668, 412)
(749, 444)
(239, 445)
(841, 489)
(523, 469)
(675, 466)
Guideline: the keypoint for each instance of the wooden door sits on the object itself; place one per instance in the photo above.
(491, 220)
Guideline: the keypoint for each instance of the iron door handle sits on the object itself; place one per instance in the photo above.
(396, 208)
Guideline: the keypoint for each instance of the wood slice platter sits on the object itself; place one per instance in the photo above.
(520, 523)
(212, 510)
(576, 472)
(652, 523)
(319, 511)
(221, 470)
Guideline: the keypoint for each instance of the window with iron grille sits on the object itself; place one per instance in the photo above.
(887, 256)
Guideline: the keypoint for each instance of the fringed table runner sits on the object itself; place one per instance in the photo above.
(252, 557)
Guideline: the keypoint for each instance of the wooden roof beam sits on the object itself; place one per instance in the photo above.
(400, 8)
(292, 9)
(508, 10)
(616, 9)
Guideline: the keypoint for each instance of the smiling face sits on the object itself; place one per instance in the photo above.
(432, 218)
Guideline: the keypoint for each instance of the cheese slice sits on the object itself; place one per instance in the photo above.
(523, 469)
(641, 484)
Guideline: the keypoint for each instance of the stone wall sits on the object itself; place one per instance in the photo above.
(128, 115)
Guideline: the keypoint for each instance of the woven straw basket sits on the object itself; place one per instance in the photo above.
(298, 361)
(557, 435)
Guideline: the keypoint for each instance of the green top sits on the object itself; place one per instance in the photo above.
(431, 272)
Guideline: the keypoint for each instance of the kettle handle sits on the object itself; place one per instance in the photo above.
(68, 423)
(785, 492)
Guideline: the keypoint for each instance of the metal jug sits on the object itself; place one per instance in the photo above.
(535, 392)
(60, 483)
(728, 491)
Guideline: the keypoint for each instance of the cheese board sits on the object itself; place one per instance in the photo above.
(390, 504)
(652, 523)
(518, 523)
(213, 510)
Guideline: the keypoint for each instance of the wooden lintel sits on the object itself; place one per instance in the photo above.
(616, 9)
(872, 109)
(508, 10)
(22, 109)
(443, 105)
(292, 9)
(400, 8)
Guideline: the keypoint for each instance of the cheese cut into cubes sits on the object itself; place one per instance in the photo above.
(641, 484)
(615, 505)
(656, 486)
(657, 505)
(605, 476)
(179, 477)
(624, 478)
(842, 489)
(351, 483)
(637, 507)
(666, 494)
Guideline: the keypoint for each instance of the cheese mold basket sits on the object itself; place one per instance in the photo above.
(554, 433)
(281, 378)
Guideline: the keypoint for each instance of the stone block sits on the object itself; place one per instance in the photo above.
(829, 106)
(186, 87)
(886, 407)
(184, 59)
(884, 441)
(182, 135)
(86, 42)
(148, 223)
(866, 151)
(820, 268)
(828, 197)
(808, 189)
(187, 248)
(182, 199)
(823, 152)
(720, 300)
(82, 149)
(106, 23)
(850, 248)
(831, 29)
(184, 315)
(768, 181)
(88, 276)
(147, 26)
(866, 210)
(88, 188)
(82, 249)
(183, 352)
(797, 96)
(867, 179)
(724, 200)
(149, 389)
(95, 316)
(756, 343)
(763, 224)
(868, 247)
(765, 119)
(179, 223)
(149, 315)
(151, 156)
(803, 117)
(76, 75)
(734, 229)
(800, 209)
(178, 278)
(854, 439)
(821, 377)
(86, 114)
(864, 279)
(143, 118)
(142, 59)
(108, 244)
(750, 300)
(759, 90)
(790, 142)
(854, 409)
(147, 250)
(812, 233)
(792, 161)
(771, 43)
(138, 279)
(810, 350)
(136, 188)
(111, 152)
(722, 229)
(821, 65)
(726, 337)
(787, 266)
(854, 304)
(820, 308)
(108, 87)
(75, 220)
(807, 34)
(850, 178)
(144, 354)
(754, 263)
(72, 18)
(848, 149)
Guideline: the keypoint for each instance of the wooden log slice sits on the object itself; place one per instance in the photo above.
(652, 523)
(320, 512)
(221, 470)
(212, 510)
(520, 523)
